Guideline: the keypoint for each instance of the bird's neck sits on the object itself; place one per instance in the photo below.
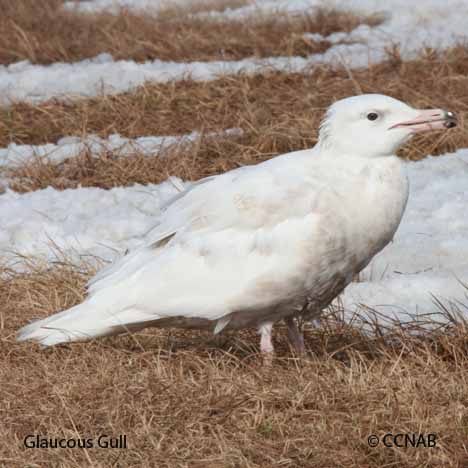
(327, 151)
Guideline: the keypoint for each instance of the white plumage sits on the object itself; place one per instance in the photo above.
(256, 244)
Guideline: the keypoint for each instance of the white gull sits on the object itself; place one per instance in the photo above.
(261, 243)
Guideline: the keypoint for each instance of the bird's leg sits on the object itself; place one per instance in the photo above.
(266, 345)
(296, 337)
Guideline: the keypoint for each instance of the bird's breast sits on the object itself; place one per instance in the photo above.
(381, 205)
(359, 217)
(374, 212)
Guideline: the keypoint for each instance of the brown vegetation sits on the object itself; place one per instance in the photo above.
(186, 401)
(43, 32)
(277, 112)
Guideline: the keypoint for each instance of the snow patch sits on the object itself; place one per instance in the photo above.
(428, 256)
(115, 6)
(426, 23)
(83, 221)
(70, 147)
(102, 75)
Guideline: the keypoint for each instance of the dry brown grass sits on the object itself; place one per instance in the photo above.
(184, 401)
(277, 112)
(43, 32)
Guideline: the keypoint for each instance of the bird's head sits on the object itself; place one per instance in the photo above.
(372, 125)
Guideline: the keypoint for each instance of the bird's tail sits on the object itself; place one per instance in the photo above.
(90, 319)
(74, 324)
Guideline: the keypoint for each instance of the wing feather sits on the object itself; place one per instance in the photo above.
(218, 226)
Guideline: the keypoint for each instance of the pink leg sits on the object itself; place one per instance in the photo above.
(295, 335)
(266, 345)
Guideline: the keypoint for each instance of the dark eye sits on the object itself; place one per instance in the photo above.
(372, 116)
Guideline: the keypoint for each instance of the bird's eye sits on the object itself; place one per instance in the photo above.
(372, 116)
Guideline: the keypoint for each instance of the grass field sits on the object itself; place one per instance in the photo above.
(184, 399)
